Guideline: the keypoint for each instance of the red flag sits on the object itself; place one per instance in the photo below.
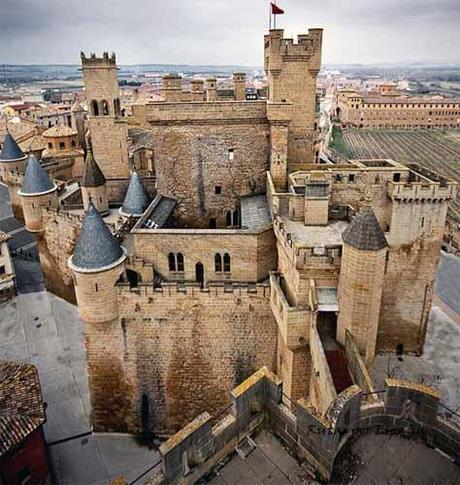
(276, 10)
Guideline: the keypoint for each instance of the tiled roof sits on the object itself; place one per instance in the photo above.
(92, 173)
(36, 180)
(21, 404)
(136, 199)
(59, 130)
(163, 209)
(10, 149)
(364, 231)
(255, 212)
(96, 247)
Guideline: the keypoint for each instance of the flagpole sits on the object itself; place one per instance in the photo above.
(274, 15)
(269, 16)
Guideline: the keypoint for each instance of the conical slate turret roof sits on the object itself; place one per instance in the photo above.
(10, 149)
(96, 247)
(364, 231)
(36, 180)
(92, 174)
(136, 199)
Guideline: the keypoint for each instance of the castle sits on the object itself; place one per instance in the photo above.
(205, 241)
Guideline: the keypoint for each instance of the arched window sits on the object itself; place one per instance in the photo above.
(116, 107)
(172, 262)
(228, 219)
(236, 218)
(226, 263)
(94, 108)
(104, 108)
(218, 262)
(180, 262)
(212, 223)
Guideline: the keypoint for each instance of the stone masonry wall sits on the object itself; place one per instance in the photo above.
(194, 161)
(183, 351)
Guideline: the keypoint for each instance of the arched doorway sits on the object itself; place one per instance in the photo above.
(133, 278)
(199, 273)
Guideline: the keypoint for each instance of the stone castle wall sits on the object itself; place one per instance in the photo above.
(181, 351)
(208, 155)
(252, 255)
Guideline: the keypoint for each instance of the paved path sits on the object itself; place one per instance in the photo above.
(448, 281)
(45, 330)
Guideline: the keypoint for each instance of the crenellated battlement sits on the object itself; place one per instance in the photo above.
(286, 50)
(421, 191)
(94, 61)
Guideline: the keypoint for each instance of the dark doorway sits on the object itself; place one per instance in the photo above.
(133, 278)
(199, 273)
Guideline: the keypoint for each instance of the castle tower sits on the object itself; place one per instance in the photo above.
(361, 281)
(171, 89)
(239, 86)
(97, 263)
(292, 69)
(37, 191)
(136, 198)
(211, 89)
(12, 158)
(109, 130)
(93, 185)
(77, 116)
(196, 90)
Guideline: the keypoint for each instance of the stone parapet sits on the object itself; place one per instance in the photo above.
(293, 321)
(420, 191)
(310, 435)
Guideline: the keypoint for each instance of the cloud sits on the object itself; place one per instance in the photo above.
(225, 31)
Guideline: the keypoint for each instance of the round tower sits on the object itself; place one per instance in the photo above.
(37, 191)
(12, 158)
(136, 199)
(93, 185)
(361, 281)
(97, 263)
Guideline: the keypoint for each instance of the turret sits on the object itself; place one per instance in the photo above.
(37, 191)
(136, 198)
(171, 87)
(97, 263)
(239, 86)
(211, 89)
(93, 184)
(361, 281)
(196, 90)
(12, 158)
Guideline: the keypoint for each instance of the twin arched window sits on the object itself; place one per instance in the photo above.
(218, 260)
(176, 262)
(232, 218)
(101, 108)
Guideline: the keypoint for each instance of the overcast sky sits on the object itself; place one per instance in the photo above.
(225, 31)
